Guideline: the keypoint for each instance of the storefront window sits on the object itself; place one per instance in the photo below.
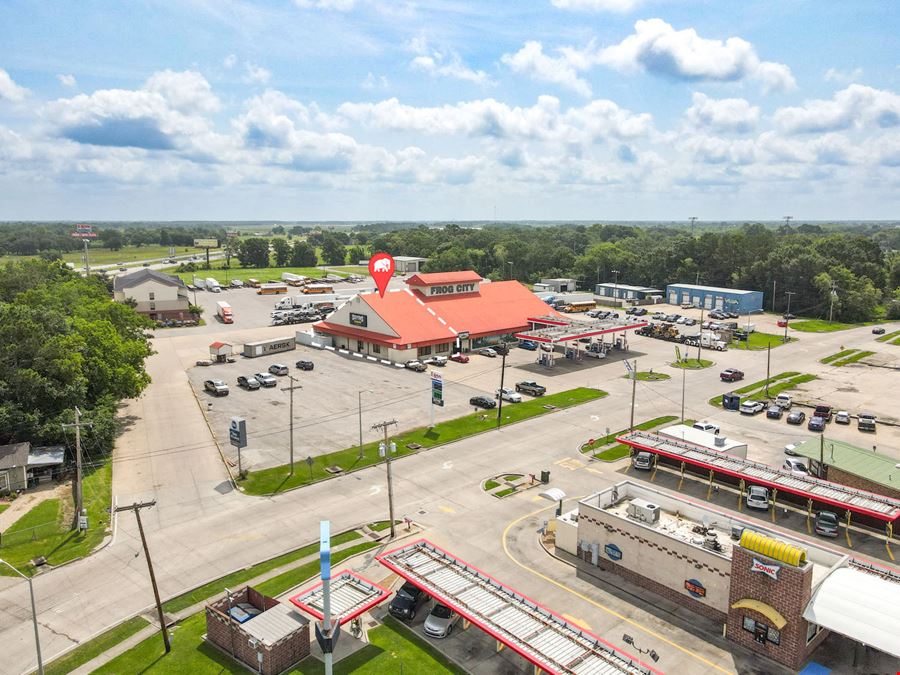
(774, 636)
(424, 351)
(812, 629)
(376, 349)
(749, 624)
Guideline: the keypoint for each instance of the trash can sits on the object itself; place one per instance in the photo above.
(731, 401)
(545, 476)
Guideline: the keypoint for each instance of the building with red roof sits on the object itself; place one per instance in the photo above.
(437, 314)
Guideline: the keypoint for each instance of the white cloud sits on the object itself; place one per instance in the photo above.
(9, 90)
(621, 6)
(336, 5)
(530, 60)
(256, 74)
(187, 91)
(843, 76)
(435, 65)
(727, 114)
(371, 82)
(656, 47)
(229, 61)
(857, 106)
(67, 80)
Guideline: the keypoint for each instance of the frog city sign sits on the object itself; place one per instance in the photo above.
(453, 289)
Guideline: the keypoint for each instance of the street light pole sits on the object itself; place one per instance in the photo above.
(616, 287)
(291, 413)
(37, 639)
(831, 308)
(787, 313)
(510, 263)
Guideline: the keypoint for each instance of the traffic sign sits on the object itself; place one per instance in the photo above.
(237, 432)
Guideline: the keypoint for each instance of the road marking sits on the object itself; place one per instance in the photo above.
(580, 622)
(570, 464)
(593, 470)
(374, 490)
(447, 509)
(447, 465)
(593, 602)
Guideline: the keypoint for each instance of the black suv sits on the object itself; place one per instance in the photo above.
(304, 364)
(406, 601)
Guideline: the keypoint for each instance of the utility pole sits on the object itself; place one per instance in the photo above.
(360, 424)
(833, 294)
(500, 396)
(633, 391)
(787, 313)
(768, 367)
(387, 458)
(787, 220)
(773, 296)
(693, 220)
(77, 487)
(87, 262)
(291, 413)
(683, 376)
(136, 507)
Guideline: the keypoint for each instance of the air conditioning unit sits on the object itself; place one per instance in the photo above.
(644, 511)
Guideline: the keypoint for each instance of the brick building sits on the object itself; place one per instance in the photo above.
(265, 635)
(861, 468)
(770, 593)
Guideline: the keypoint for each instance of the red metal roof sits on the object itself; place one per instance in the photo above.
(346, 605)
(437, 278)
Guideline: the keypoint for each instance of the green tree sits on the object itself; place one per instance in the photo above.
(254, 252)
(333, 251)
(278, 229)
(303, 255)
(112, 239)
(282, 252)
(357, 253)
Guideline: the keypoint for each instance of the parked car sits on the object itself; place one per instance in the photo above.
(842, 417)
(878, 331)
(751, 407)
(865, 422)
(487, 351)
(305, 364)
(265, 379)
(758, 498)
(640, 311)
(528, 344)
(773, 412)
(687, 305)
(439, 623)
(459, 358)
(788, 316)
(483, 402)
(278, 369)
(642, 461)
(823, 411)
(439, 361)
(216, 387)
(531, 387)
(417, 366)
(816, 424)
(146, 264)
(406, 601)
(731, 375)
(501, 348)
(123, 269)
(784, 401)
(706, 426)
(732, 315)
(791, 449)
(509, 394)
(826, 524)
(690, 322)
(681, 319)
(796, 466)
(796, 417)
(249, 383)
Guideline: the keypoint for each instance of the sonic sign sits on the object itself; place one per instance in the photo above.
(761, 567)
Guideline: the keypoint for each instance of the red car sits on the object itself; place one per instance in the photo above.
(731, 375)
(460, 358)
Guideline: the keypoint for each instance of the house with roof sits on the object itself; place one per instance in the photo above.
(159, 296)
(437, 314)
(13, 467)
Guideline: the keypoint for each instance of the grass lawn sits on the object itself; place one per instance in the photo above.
(692, 364)
(820, 326)
(512, 476)
(351, 269)
(3, 507)
(504, 493)
(55, 540)
(614, 453)
(895, 341)
(105, 256)
(382, 525)
(490, 485)
(277, 479)
(643, 426)
(88, 650)
(647, 376)
(889, 337)
(243, 273)
(835, 357)
(777, 384)
(853, 358)
(237, 579)
(757, 341)
(189, 653)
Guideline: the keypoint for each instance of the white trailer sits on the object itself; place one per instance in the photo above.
(714, 442)
(212, 285)
(293, 279)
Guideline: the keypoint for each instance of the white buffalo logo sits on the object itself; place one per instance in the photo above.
(382, 265)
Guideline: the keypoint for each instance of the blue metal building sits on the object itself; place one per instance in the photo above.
(710, 297)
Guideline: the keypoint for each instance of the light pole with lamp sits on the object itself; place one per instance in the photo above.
(360, 393)
(616, 287)
(510, 263)
(37, 639)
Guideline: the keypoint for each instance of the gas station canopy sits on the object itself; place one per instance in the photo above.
(554, 329)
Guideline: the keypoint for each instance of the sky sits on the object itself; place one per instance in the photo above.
(449, 110)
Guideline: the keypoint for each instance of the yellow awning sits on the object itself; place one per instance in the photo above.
(767, 611)
(773, 548)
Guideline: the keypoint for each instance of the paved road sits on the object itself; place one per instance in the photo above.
(202, 529)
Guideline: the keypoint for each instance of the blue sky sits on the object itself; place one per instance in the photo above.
(445, 109)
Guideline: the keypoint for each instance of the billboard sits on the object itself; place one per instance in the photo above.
(206, 243)
(83, 231)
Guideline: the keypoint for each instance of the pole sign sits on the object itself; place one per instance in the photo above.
(677, 354)
(206, 243)
(83, 231)
(237, 432)
(325, 549)
(761, 567)
(437, 388)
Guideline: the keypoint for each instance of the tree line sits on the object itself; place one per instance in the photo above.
(65, 343)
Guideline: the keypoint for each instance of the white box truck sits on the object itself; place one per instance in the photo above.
(212, 285)
(293, 279)
(223, 311)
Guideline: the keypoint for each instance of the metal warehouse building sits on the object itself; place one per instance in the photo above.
(711, 297)
(626, 292)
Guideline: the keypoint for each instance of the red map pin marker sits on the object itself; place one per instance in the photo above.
(381, 267)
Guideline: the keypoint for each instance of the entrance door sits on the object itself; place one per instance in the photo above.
(760, 633)
(673, 298)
